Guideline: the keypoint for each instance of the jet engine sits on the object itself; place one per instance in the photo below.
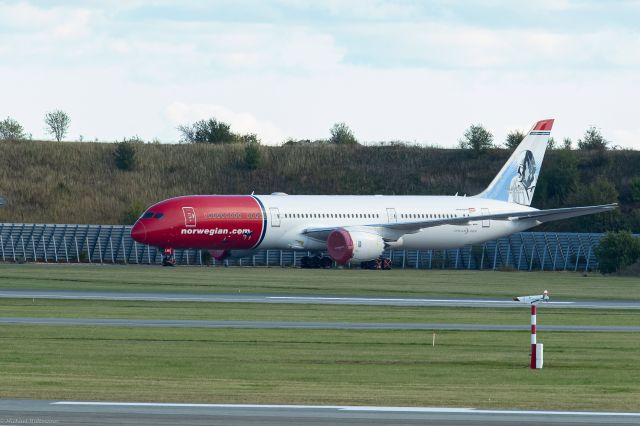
(356, 246)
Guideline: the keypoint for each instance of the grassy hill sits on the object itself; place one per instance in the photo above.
(73, 182)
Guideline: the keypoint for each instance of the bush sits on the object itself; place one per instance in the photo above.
(616, 251)
(635, 189)
(125, 155)
(341, 134)
(252, 155)
(559, 179)
(133, 213)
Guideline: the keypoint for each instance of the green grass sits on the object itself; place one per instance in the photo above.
(46, 308)
(583, 371)
(403, 283)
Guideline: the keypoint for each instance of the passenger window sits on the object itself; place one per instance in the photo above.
(159, 215)
(147, 215)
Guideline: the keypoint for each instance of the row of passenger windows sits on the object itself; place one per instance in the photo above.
(331, 215)
(320, 215)
(430, 215)
(368, 215)
(234, 215)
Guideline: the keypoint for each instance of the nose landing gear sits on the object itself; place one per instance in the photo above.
(168, 257)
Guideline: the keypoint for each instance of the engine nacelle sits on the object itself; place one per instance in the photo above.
(356, 246)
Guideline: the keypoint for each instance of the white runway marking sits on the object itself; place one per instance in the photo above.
(346, 408)
(374, 299)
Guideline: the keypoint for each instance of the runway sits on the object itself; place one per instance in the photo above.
(143, 414)
(304, 299)
(304, 325)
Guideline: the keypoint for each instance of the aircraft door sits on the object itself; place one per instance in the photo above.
(486, 223)
(391, 215)
(275, 217)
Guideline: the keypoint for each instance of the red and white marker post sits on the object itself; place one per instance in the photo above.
(534, 344)
(536, 348)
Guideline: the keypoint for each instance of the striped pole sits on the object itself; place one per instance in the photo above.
(533, 335)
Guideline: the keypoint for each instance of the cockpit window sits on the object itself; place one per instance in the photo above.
(147, 215)
(159, 215)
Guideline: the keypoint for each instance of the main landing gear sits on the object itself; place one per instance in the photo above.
(316, 262)
(168, 257)
(379, 263)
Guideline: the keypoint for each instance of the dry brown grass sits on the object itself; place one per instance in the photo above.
(49, 182)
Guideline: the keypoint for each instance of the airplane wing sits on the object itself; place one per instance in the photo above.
(540, 216)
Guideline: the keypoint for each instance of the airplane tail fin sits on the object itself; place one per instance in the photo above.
(517, 179)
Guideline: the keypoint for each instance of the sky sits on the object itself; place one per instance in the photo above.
(416, 71)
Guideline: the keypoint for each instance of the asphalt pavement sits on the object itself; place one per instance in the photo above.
(144, 414)
(306, 299)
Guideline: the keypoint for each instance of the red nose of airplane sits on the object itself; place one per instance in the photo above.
(139, 232)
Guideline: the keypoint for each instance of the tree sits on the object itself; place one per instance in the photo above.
(252, 155)
(57, 123)
(593, 140)
(617, 250)
(341, 134)
(514, 138)
(11, 130)
(477, 139)
(208, 131)
(566, 142)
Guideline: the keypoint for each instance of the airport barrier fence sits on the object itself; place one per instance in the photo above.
(525, 251)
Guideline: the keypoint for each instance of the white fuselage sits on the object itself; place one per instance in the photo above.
(289, 215)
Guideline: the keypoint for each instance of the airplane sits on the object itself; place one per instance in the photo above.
(358, 228)
(532, 300)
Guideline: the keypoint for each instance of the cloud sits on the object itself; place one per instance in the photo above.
(179, 113)
(56, 22)
(419, 71)
(460, 46)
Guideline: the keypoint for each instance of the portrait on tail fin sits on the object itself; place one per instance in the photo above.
(524, 183)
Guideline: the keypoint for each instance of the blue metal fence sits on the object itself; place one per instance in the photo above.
(525, 251)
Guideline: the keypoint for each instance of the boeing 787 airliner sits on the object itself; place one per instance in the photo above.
(356, 228)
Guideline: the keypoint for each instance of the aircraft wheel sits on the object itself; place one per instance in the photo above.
(386, 264)
(369, 264)
(326, 263)
(314, 262)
